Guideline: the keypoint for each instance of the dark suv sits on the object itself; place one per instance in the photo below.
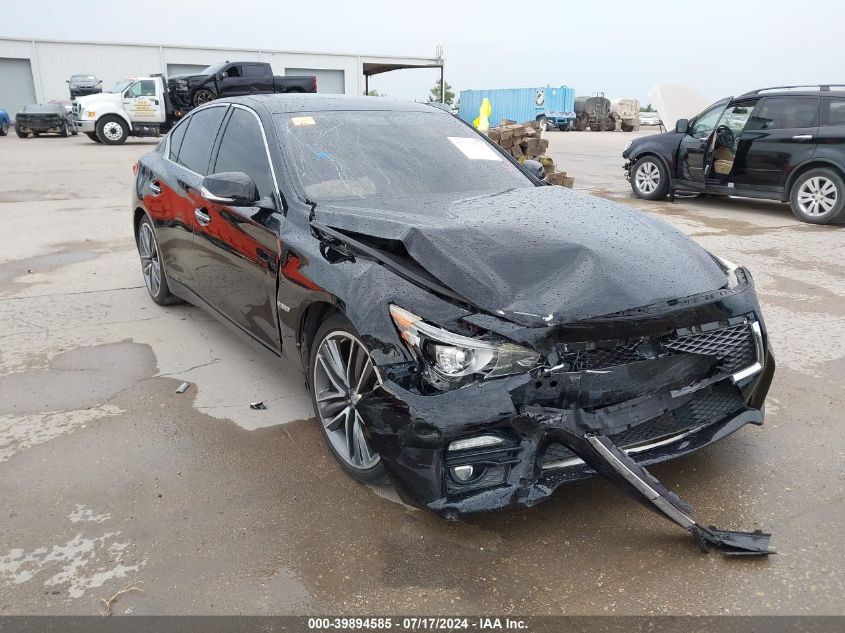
(785, 143)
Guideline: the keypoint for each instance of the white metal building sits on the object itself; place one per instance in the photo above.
(37, 70)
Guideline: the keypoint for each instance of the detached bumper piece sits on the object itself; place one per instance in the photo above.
(604, 456)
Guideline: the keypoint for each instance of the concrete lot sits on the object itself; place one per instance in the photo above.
(108, 477)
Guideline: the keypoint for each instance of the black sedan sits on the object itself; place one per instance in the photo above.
(465, 329)
(43, 119)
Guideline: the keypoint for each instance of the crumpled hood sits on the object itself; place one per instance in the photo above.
(540, 255)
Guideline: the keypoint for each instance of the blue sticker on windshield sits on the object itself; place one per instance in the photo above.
(322, 156)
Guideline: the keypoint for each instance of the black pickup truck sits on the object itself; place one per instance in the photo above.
(232, 79)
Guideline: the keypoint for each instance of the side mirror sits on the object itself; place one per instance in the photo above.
(67, 81)
(535, 168)
(233, 188)
(99, 81)
(682, 126)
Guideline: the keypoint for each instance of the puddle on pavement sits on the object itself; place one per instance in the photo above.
(81, 378)
(13, 274)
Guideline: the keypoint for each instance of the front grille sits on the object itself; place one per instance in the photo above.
(710, 406)
(732, 343)
(734, 346)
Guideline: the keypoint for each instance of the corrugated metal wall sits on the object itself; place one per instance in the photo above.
(517, 104)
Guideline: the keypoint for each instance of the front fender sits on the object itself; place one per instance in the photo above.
(104, 108)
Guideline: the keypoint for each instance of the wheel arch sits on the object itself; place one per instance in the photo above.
(312, 316)
(803, 168)
(650, 152)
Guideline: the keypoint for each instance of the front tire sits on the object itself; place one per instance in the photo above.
(649, 179)
(544, 124)
(4, 129)
(818, 196)
(93, 136)
(151, 265)
(21, 133)
(201, 97)
(340, 371)
(64, 131)
(112, 130)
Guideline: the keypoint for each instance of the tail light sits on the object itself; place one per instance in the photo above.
(315, 83)
(135, 168)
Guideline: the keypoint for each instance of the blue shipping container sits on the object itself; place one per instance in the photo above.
(521, 104)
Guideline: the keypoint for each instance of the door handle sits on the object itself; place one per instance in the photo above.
(802, 137)
(202, 217)
(155, 187)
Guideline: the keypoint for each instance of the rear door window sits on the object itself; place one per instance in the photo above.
(253, 70)
(177, 134)
(242, 149)
(786, 113)
(195, 152)
(833, 111)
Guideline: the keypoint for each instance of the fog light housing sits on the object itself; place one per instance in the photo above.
(463, 474)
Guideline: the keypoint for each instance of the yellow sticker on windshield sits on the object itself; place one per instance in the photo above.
(303, 120)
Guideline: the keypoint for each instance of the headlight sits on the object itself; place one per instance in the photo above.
(730, 271)
(452, 356)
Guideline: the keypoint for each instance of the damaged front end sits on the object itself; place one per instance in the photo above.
(606, 396)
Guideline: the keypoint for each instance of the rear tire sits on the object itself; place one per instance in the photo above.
(818, 196)
(649, 179)
(4, 129)
(151, 265)
(112, 130)
(339, 365)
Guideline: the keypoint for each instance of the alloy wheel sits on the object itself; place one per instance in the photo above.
(817, 196)
(113, 131)
(343, 373)
(150, 263)
(647, 177)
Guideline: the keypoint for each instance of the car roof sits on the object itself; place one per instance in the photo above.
(299, 102)
(800, 91)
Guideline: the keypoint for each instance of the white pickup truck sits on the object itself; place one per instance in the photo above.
(141, 108)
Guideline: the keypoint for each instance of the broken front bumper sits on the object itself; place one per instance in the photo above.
(520, 451)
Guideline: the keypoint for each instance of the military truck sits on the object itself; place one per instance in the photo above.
(594, 113)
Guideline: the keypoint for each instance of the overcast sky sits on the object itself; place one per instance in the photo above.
(718, 48)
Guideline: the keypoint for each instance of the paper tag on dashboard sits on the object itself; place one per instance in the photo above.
(474, 148)
(303, 120)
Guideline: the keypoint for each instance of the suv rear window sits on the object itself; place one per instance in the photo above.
(833, 111)
(786, 113)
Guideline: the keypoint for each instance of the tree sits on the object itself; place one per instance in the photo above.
(375, 93)
(647, 108)
(435, 93)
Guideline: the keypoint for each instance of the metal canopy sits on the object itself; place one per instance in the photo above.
(377, 68)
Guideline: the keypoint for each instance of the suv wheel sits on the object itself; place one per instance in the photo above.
(818, 196)
(4, 129)
(543, 123)
(340, 372)
(649, 179)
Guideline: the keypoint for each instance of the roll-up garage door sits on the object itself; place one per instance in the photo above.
(185, 69)
(328, 81)
(17, 87)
